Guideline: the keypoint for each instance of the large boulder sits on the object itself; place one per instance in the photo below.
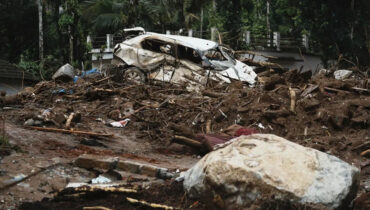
(263, 165)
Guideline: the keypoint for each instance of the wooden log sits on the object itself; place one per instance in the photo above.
(69, 131)
(187, 141)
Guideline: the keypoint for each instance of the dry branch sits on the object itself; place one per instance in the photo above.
(152, 205)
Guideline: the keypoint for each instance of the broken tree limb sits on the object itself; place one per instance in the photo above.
(152, 205)
(365, 153)
(104, 90)
(69, 131)
(309, 90)
(254, 53)
(136, 111)
(260, 63)
(91, 188)
(361, 89)
(182, 129)
(96, 208)
(363, 146)
(69, 120)
(292, 99)
(102, 80)
(208, 126)
(187, 141)
(28, 176)
(336, 90)
(212, 94)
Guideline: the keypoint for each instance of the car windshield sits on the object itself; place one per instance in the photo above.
(215, 54)
(229, 52)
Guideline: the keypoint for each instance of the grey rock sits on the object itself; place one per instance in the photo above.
(259, 164)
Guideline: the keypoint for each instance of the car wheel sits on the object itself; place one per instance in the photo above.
(134, 75)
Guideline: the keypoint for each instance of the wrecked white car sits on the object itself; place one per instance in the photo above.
(178, 59)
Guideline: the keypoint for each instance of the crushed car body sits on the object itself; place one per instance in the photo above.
(179, 59)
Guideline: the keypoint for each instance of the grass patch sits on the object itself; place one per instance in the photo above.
(4, 142)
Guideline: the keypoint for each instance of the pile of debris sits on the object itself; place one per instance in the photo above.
(287, 104)
(294, 106)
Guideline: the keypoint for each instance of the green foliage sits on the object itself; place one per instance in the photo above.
(333, 27)
(29, 65)
(4, 142)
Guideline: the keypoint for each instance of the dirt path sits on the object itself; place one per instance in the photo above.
(41, 149)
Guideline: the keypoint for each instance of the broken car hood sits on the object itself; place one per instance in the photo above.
(237, 71)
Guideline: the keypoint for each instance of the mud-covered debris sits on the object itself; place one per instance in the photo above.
(109, 163)
(120, 124)
(64, 73)
(342, 74)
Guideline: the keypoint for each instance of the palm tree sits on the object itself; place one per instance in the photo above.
(106, 16)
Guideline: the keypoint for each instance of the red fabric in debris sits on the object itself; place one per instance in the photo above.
(245, 131)
(210, 140)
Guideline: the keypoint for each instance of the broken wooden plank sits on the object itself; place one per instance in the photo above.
(151, 205)
(69, 131)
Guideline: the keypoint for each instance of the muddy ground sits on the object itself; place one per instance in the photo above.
(329, 115)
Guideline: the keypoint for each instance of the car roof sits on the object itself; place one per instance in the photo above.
(192, 42)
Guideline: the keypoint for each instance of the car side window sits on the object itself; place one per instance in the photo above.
(157, 46)
(186, 53)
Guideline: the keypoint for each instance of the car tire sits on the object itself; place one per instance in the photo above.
(133, 75)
